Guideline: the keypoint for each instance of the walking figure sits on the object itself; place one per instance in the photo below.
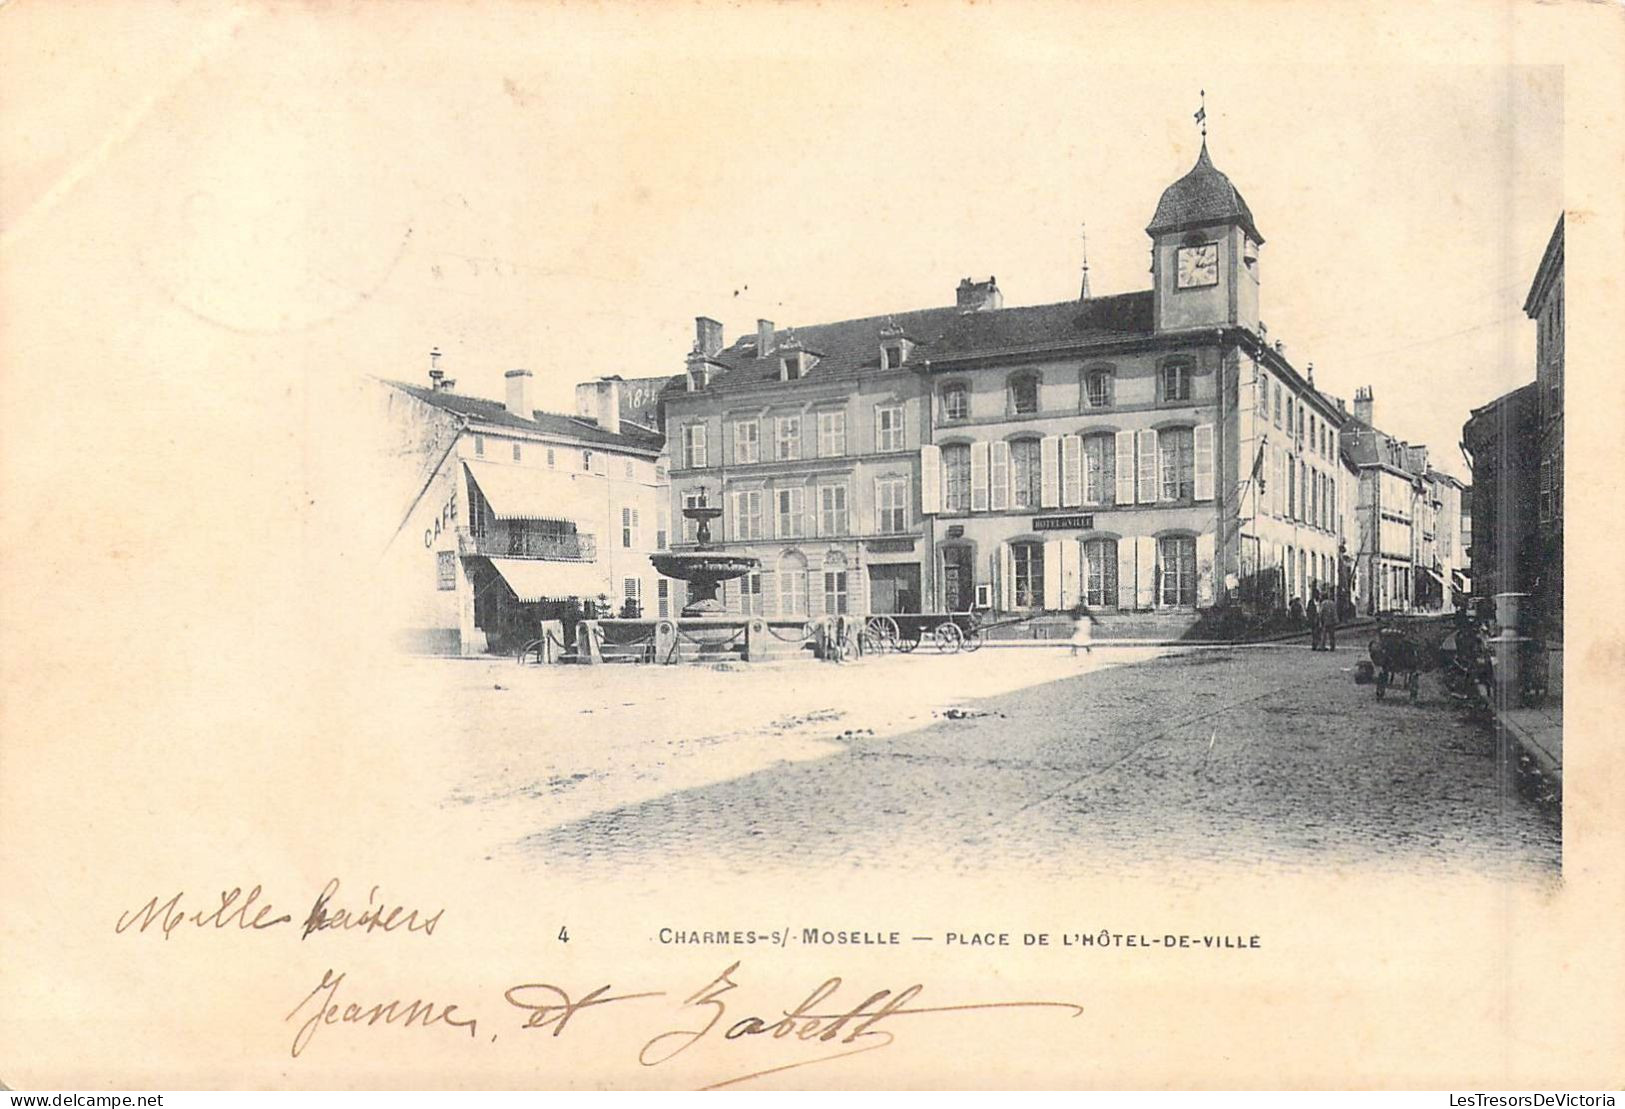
(1328, 620)
(1317, 632)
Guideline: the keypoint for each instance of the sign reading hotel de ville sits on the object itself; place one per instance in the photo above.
(1074, 522)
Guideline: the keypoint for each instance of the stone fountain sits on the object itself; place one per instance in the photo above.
(706, 568)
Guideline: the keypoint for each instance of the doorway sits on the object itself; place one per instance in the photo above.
(894, 588)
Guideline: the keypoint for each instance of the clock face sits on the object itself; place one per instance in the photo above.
(1198, 266)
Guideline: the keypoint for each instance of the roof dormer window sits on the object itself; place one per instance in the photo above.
(894, 345)
(791, 367)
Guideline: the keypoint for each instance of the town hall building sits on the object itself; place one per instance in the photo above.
(1141, 452)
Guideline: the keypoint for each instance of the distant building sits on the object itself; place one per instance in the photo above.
(512, 515)
(1502, 441)
(1392, 517)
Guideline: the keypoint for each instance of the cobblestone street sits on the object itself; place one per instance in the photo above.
(1253, 756)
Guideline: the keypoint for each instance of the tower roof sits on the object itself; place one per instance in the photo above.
(1202, 196)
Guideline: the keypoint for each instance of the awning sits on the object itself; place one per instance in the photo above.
(1432, 573)
(535, 579)
(527, 493)
(1463, 582)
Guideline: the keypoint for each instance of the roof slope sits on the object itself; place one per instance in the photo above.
(547, 423)
(1202, 196)
(847, 348)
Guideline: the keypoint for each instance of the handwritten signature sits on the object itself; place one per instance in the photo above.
(237, 909)
(840, 1027)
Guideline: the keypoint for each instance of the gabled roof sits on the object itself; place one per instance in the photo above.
(1364, 445)
(850, 348)
(480, 409)
(1202, 196)
(1551, 265)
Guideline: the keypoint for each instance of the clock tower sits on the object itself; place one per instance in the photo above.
(1204, 253)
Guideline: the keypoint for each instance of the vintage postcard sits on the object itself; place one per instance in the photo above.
(762, 545)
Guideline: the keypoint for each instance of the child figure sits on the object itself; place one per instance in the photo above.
(1082, 629)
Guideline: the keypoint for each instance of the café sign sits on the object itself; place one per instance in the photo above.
(1083, 522)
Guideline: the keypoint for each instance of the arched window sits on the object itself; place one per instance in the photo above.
(793, 584)
(1026, 474)
(1176, 381)
(1024, 393)
(1177, 464)
(956, 477)
(1100, 573)
(1097, 388)
(955, 402)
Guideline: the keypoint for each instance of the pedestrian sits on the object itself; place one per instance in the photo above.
(1314, 621)
(1328, 620)
(1081, 632)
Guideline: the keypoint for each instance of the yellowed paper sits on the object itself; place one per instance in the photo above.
(222, 223)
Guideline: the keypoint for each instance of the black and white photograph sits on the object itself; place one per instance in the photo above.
(1042, 517)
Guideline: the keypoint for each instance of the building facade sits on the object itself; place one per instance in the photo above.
(810, 443)
(514, 515)
(1148, 451)
(1544, 305)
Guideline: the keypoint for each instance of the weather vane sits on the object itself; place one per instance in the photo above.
(1201, 115)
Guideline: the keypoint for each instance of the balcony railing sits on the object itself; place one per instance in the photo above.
(498, 543)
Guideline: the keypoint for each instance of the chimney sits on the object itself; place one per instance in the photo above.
(707, 336)
(436, 374)
(764, 338)
(979, 296)
(609, 404)
(520, 401)
(1280, 348)
(1309, 372)
(1363, 405)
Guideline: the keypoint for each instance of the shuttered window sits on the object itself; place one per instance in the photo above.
(1071, 471)
(956, 478)
(1026, 474)
(1203, 446)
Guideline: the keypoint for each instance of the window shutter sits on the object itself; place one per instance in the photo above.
(809, 504)
(930, 480)
(1007, 577)
(1071, 470)
(1204, 569)
(1125, 575)
(999, 476)
(1203, 440)
(1145, 448)
(772, 528)
(1145, 559)
(732, 530)
(1125, 468)
(1049, 452)
(978, 477)
(1052, 574)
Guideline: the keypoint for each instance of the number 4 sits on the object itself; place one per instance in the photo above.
(564, 934)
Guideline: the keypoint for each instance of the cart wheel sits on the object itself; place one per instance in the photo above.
(907, 645)
(948, 637)
(531, 652)
(882, 631)
(973, 639)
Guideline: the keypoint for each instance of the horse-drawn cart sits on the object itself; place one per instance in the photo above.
(904, 631)
(1405, 647)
